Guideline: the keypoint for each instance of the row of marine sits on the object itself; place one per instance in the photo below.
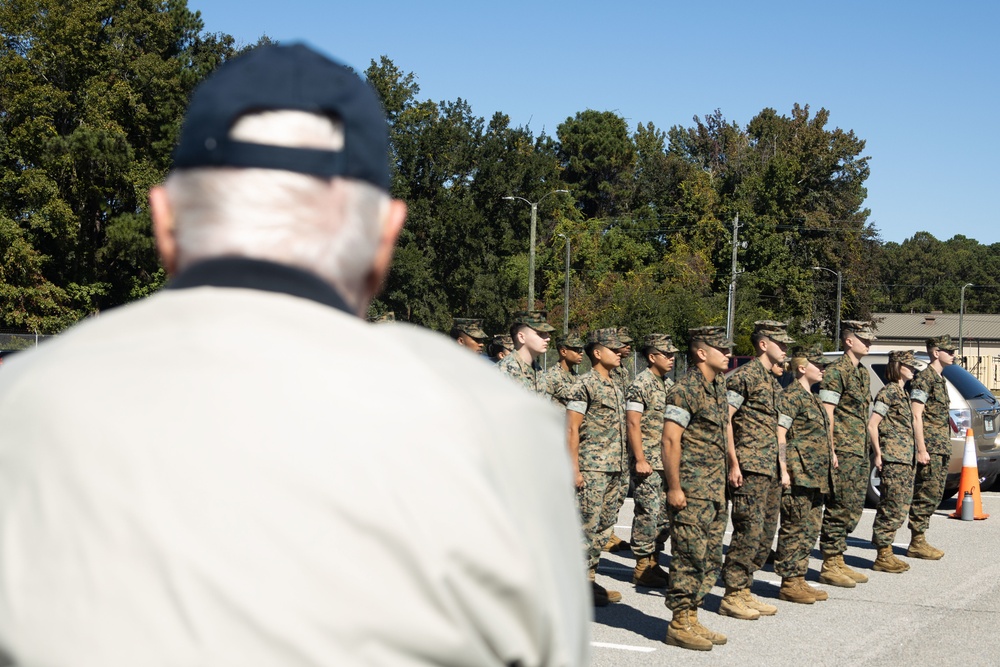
(712, 448)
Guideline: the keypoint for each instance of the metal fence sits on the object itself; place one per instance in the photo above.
(19, 340)
(986, 368)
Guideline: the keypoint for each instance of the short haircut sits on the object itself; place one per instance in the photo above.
(515, 329)
(589, 349)
(755, 339)
(796, 363)
(455, 333)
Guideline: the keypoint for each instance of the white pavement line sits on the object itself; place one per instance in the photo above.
(623, 647)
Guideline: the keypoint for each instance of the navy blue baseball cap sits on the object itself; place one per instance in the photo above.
(277, 77)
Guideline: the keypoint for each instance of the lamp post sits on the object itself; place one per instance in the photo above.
(531, 250)
(961, 318)
(839, 284)
(566, 290)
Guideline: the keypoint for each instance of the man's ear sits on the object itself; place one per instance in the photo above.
(395, 217)
(163, 228)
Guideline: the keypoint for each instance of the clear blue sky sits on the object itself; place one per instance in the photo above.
(917, 80)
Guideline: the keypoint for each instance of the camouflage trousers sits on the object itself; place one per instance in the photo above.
(896, 491)
(801, 516)
(845, 503)
(696, 534)
(928, 488)
(598, 510)
(756, 505)
(649, 523)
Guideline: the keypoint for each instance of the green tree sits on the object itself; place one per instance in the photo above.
(91, 99)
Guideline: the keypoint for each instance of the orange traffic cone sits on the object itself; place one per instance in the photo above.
(969, 481)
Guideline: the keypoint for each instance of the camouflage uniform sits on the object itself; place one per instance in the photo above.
(559, 381)
(514, 367)
(929, 388)
(848, 389)
(621, 376)
(602, 449)
(752, 390)
(700, 407)
(807, 457)
(895, 436)
(524, 374)
(647, 395)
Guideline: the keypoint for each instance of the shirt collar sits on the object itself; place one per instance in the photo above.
(245, 273)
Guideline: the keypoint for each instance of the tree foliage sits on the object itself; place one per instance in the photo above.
(91, 99)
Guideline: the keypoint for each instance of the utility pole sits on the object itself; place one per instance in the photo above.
(566, 294)
(531, 241)
(961, 318)
(731, 309)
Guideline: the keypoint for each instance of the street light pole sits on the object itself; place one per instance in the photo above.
(531, 250)
(566, 291)
(961, 318)
(840, 281)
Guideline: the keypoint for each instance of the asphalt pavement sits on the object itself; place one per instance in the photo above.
(939, 613)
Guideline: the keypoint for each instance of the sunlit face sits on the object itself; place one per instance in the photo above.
(906, 372)
(946, 357)
(537, 342)
(608, 357)
(467, 341)
(813, 373)
(572, 355)
(776, 352)
(662, 361)
(717, 358)
(859, 346)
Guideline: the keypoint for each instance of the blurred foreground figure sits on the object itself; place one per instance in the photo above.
(166, 499)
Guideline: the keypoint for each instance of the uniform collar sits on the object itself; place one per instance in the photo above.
(245, 273)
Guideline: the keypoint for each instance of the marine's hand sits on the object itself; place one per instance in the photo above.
(878, 461)
(643, 469)
(786, 480)
(923, 458)
(578, 481)
(735, 476)
(676, 499)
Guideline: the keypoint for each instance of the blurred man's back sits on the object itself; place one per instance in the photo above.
(240, 471)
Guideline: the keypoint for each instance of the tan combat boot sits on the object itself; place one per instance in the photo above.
(795, 589)
(602, 596)
(648, 573)
(615, 543)
(886, 561)
(681, 632)
(716, 638)
(858, 577)
(763, 608)
(734, 605)
(832, 574)
(920, 549)
(818, 593)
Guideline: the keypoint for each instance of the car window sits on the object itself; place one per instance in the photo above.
(967, 384)
(880, 372)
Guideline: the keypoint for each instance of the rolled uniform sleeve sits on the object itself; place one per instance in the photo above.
(635, 398)
(832, 387)
(881, 409)
(577, 398)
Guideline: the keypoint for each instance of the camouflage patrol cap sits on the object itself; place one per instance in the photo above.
(812, 353)
(942, 343)
(860, 328)
(504, 341)
(536, 319)
(624, 337)
(773, 329)
(714, 336)
(384, 317)
(660, 342)
(904, 357)
(571, 341)
(471, 327)
(607, 337)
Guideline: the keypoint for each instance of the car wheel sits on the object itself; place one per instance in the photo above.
(874, 480)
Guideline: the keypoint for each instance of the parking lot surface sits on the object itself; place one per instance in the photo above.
(944, 612)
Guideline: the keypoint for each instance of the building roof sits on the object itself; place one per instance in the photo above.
(919, 326)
